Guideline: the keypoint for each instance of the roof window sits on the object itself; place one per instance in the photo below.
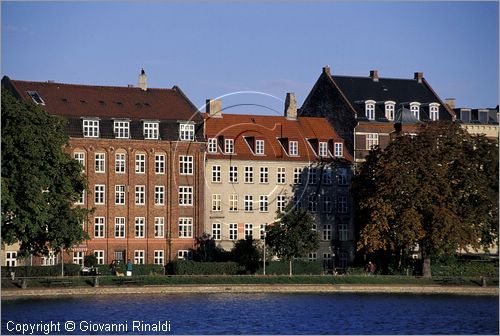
(36, 97)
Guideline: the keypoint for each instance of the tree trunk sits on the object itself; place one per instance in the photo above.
(426, 267)
(290, 263)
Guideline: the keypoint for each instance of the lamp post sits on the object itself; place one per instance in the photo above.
(264, 259)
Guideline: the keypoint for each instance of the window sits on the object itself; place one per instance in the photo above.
(281, 175)
(342, 204)
(233, 202)
(262, 231)
(259, 147)
(11, 259)
(49, 260)
(343, 260)
(90, 128)
(120, 163)
(119, 227)
(159, 227)
(465, 116)
(297, 176)
(139, 227)
(119, 194)
(434, 111)
(159, 164)
(99, 227)
(216, 202)
(249, 174)
(389, 110)
(185, 195)
(264, 175)
(327, 204)
(415, 109)
(327, 232)
(185, 227)
(185, 165)
(313, 256)
(370, 109)
(216, 231)
(139, 257)
(184, 255)
(229, 146)
(312, 203)
(233, 174)
(121, 129)
(99, 255)
(78, 258)
(312, 177)
(327, 259)
(81, 198)
(159, 257)
(99, 193)
(248, 231)
(140, 163)
(248, 203)
(151, 130)
(186, 132)
(118, 255)
(80, 157)
(342, 176)
(233, 231)
(323, 149)
(100, 162)
(339, 149)
(327, 176)
(483, 117)
(159, 195)
(280, 203)
(216, 174)
(140, 194)
(293, 148)
(212, 145)
(342, 231)
(263, 203)
(37, 99)
(371, 140)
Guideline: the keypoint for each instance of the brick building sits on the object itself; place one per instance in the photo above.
(257, 164)
(143, 151)
(364, 111)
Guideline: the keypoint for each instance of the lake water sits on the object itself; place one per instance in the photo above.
(254, 314)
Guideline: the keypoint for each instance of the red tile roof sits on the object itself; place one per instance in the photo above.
(72, 100)
(270, 129)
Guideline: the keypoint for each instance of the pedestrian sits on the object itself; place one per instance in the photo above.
(372, 268)
(129, 268)
(112, 267)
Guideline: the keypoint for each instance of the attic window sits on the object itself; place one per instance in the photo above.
(37, 99)
(370, 109)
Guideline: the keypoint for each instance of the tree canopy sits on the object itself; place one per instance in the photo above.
(40, 182)
(437, 190)
(293, 234)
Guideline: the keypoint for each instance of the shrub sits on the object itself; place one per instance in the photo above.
(185, 267)
(298, 267)
(42, 271)
(90, 260)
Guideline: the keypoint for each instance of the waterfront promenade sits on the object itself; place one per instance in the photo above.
(8, 294)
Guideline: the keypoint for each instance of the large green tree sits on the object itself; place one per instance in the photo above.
(293, 234)
(40, 182)
(437, 190)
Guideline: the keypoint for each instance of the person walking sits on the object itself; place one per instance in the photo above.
(129, 268)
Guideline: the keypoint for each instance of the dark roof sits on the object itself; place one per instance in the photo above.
(476, 116)
(405, 116)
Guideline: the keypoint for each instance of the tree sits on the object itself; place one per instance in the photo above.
(207, 249)
(40, 182)
(293, 234)
(246, 253)
(437, 190)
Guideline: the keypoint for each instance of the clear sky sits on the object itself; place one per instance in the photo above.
(212, 49)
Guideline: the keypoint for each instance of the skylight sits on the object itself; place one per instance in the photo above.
(36, 97)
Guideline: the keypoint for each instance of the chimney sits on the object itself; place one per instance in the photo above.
(450, 102)
(419, 76)
(374, 75)
(290, 106)
(142, 81)
(213, 108)
(326, 70)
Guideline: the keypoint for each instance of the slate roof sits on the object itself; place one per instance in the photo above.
(276, 131)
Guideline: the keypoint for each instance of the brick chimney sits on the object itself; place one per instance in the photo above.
(143, 81)
(213, 108)
(419, 76)
(290, 106)
(326, 70)
(450, 102)
(374, 75)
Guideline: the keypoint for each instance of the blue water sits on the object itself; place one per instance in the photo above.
(261, 314)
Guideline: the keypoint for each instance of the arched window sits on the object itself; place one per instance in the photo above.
(389, 110)
(415, 109)
(370, 109)
(434, 111)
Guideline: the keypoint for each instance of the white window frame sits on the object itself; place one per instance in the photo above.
(371, 140)
(342, 204)
(233, 202)
(415, 109)
(78, 257)
(343, 231)
(233, 174)
(121, 129)
(140, 194)
(338, 149)
(297, 175)
(151, 130)
(90, 128)
(159, 163)
(159, 227)
(159, 195)
(327, 232)
(390, 108)
(229, 146)
(11, 258)
(99, 227)
(139, 257)
(264, 174)
(99, 255)
(248, 199)
(100, 162)
(281, 175)
(216, 231)
(370, 109)
(233, 231)
(216, 174)
(259, 147)
(263, 203)
(262, 231)
(185, 227)
(119, 194)
(212, 145)
(120, 227)
(312, 175)
(434, 111)
(184, 255)
(120, 163)
(323, 149)
(186, 132)
(248, 174)
(186, 165)
(159, 257)
(140, 163)
(248, 231)
(80, 157)
(293, 148)
(140, 227)
(280, 203)
(185, 195)
(100, 194)
(216, 202)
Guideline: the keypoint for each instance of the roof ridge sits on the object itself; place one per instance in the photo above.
(92, 85)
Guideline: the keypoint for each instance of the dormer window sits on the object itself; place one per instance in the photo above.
(339, 149)
(434, 111)
(389, 110)
(293, 148)
(90, 128)
(259, 147)
(150, 130)
(186, 132)
(483, 116)
(465, 115)
(37, 99)
(370, 109)
(229, 146)
(415, 109)
(121, 129)
(212, 145)
(323, 149)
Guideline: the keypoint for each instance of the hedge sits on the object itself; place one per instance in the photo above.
(468, 268)
(41, 271)
(187, 267)
(299, 267)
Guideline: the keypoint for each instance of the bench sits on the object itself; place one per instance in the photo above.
(61, 282)
(451, 280)
(126, 281)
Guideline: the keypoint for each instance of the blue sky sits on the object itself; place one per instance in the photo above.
(212, 49)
